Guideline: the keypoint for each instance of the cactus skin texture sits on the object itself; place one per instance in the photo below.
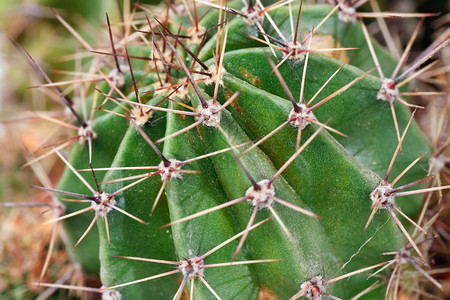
(332, 177)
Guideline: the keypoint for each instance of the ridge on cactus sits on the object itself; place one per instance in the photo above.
(208, 119)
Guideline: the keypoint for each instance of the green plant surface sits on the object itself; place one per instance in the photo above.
(356, 112)
(128, 237)
(322, 191)
(87, 252)
(110, 130)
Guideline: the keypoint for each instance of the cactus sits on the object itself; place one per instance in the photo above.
(230, 157)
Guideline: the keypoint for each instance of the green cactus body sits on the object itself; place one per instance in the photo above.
(332, 177)
(87, 253)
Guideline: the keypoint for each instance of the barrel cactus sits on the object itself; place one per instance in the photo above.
(244, 151)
